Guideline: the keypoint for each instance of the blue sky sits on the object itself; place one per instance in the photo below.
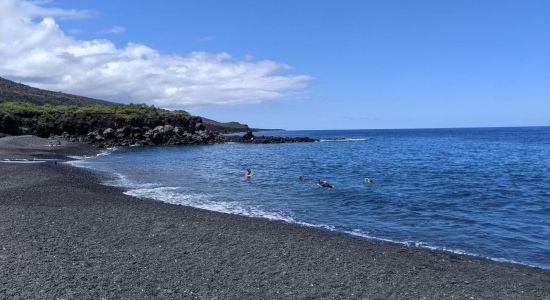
(364, 64)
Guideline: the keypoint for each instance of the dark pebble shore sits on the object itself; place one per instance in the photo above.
(63, 235)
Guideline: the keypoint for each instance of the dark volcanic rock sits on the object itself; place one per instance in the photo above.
(158, 138)
(108, 130)
(139, 136)
(199, 127)
(248, 136)
(178, 131)
(109, 133)
(168, 129)
(123, 132)
(9, 125)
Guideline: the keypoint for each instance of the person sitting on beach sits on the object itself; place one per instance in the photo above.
(248, 173)
(325, 184)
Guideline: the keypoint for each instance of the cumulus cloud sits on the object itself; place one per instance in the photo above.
(36, 51)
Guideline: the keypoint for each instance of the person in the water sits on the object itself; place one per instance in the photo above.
(325, 184)
(302, 178)
(248, 173)
(368, 180)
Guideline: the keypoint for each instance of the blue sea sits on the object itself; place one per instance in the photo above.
(478, 191)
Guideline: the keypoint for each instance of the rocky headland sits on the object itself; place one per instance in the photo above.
(26, 110)
(149, 126)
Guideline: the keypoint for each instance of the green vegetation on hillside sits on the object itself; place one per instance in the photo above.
(117, 109)
(17, 98)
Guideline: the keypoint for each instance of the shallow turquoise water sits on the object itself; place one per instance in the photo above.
(479, 191)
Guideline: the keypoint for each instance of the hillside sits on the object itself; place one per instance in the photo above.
(17, 92)
(227, 127)
(11, 91)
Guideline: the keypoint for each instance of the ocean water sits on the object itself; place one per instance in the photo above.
(482, 191)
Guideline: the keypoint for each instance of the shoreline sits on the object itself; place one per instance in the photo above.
(108, 179)
(103, 176)
(64, 234)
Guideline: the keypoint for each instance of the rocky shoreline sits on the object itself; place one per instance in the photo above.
(170, 135)
(111, 130)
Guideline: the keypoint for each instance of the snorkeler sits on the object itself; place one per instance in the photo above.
(248, 173)
(325, 184)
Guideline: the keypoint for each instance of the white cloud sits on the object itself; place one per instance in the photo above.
(35, 50)
(32, 9)
(115, 29)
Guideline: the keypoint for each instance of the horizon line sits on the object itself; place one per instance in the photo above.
(412, 128)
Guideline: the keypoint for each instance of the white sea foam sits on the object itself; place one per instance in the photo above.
(344, 140)
(107, 152)
(117, 179)
(419, 244)
(80, 161)
(75, 157)
(22, 161)
(174, 195)
(101, 153)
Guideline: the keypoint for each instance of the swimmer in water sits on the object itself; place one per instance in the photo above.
(368, 180)
(325, 184)
(302, 178)
(248, 173)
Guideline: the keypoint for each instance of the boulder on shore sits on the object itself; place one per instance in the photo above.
(109, 133)
(248, 136)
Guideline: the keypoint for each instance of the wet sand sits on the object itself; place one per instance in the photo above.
(64, 235)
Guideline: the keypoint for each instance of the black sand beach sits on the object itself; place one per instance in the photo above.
(64, 235)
